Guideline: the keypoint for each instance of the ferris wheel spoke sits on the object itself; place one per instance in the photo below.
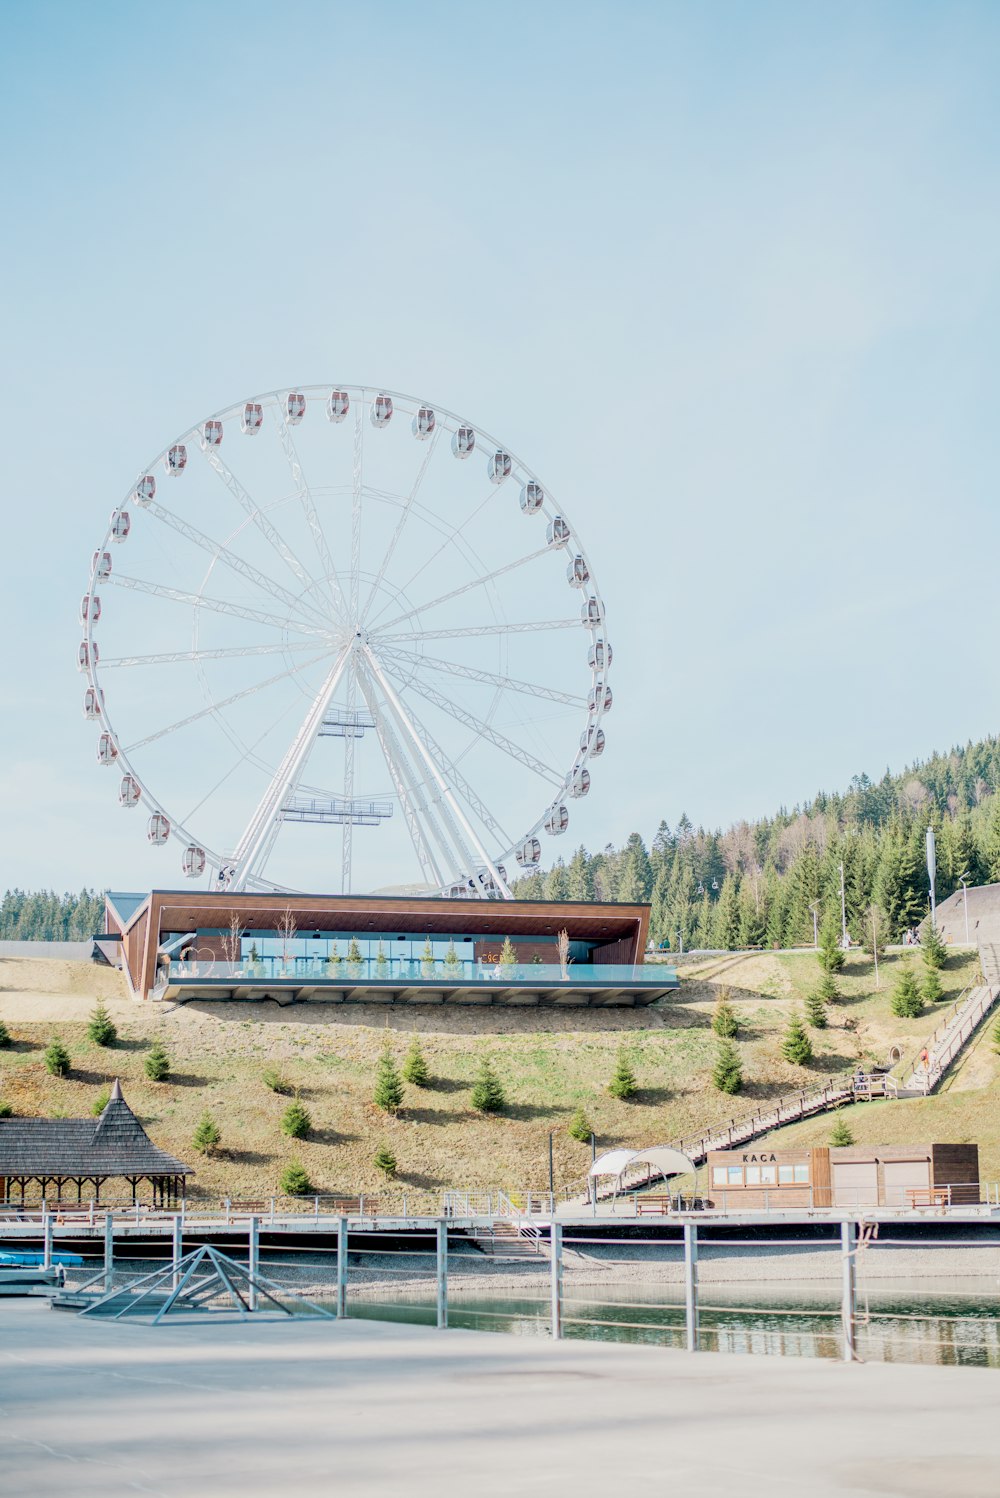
(424, 753)
(484, 730)
(458, 780)
(214, 707)
(404, 516)
(230, 652)
(404, 783)
(216, 605)
(347, 830)
(235, 563)
(489, 678)
(259, 519)
(476, 582)
(356, 490)
(311, 514)
(450, 537)
(473, 630)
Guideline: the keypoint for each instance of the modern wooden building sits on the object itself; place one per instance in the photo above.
(184, 945)
(890, 1175)
(60, 1159)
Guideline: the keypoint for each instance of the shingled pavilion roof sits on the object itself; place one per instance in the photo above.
(115, 1144)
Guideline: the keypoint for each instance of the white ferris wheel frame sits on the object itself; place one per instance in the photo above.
(415, 761)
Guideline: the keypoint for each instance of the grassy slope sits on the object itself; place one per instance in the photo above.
(550, 1062)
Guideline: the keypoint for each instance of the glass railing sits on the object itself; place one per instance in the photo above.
(406, 972)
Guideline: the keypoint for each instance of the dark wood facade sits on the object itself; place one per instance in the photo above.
(617, 933)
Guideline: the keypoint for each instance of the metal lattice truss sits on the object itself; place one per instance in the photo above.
(398, 652)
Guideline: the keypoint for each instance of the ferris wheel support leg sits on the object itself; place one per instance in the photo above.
(259, 835)
(402, 780)
(425, 754)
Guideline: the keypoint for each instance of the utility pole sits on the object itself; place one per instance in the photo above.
(963, 880)
(931, 868)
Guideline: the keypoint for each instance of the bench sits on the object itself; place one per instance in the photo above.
(929, 1196)
(652, 1206)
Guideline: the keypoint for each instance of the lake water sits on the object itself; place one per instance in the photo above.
(913, 1323)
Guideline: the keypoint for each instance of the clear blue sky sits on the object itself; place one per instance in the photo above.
(727, 274)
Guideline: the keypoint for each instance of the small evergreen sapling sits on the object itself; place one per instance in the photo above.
(796, 1045)
(906, 1002)
(488, 1095)
(428, 966)
(100, 1102)
(276, 1081)
(996, 1037)
(831, 954)
(415, 1067)
(354, 957)
(508, 955)
(157, 1063)
(816, 1010)
(452, 961)
(388, 1094)
(579, 1127)
(932, 947)
(727, 1073)
(101, 1027)
(385, 1161)
(295, 1180)
(207, 1136)
(623, 1084)
(6, 1111)
(5, 1039)
(724, 1021)
(296, 1121)
(840, 1135)
(932, 988)
(828, 990)
(57, 1062)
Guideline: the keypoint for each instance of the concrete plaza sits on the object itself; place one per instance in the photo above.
(323, 1408)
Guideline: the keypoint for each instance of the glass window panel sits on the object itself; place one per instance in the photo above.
(735, 1175)
(718, 1175)
(786, 1174)
(767, 1175)
(753, 1175)
(802, 1172)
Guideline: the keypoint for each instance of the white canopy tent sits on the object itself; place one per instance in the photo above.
(661, 1158)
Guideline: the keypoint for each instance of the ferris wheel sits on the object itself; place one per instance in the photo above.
(343, 607)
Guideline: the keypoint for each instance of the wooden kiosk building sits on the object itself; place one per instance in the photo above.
(48, 1157)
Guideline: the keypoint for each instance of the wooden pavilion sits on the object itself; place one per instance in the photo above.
(54, 1154)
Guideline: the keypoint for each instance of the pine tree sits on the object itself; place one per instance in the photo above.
(5, 1039)
(57, 1061)
(508, 955)
(488, 1095)
(932, 989)
(101, 1028)
(208, 1135)
(840, 1135)
(796, 1045)
(6, 1111)
(100, 1102)
(816, 1008)
(354, 956)
(276, 1081)
(157, 1063)
(623, 1084)
(427, 963)
(414, 1067)
(932, 948)
(724, 1021)
(831, 954)
(579, 1127)
(828, 990)
(385, 1161)
(295, 1180)
(452, 961)
(296, 1121)
(906, 1001)
(388, 1093)
(727, 1073)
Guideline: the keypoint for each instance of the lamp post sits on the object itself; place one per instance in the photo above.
(552, 1179)
(680, 938)
(963, 880)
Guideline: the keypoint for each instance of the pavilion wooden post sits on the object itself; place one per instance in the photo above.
(46, 1239)
(442, 1272)
(177, 1250)
(691, 1285)
(342, 1242)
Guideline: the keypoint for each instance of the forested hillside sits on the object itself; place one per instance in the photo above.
(759, 882)
(46, 916)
